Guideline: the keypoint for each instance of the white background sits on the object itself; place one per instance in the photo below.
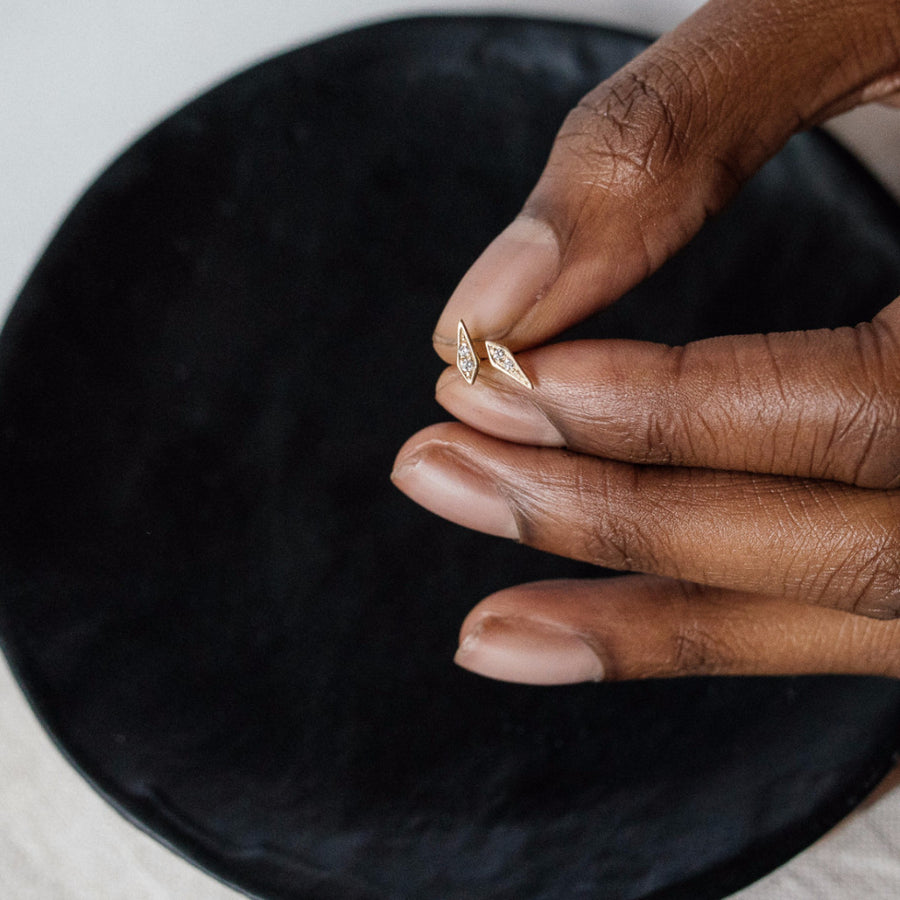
(79, 80)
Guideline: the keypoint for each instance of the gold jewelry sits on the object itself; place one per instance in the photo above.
(466, 360)
(501, 358)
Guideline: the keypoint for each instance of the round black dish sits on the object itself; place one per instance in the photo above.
(224, 613)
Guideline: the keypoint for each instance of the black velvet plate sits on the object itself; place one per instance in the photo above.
(217, 603)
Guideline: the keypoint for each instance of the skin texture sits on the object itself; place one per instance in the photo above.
(751, 482)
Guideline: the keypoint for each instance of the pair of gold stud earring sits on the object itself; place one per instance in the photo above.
(499, 357)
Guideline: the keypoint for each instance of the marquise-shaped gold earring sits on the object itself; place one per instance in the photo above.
(501, 358)
(466, 360)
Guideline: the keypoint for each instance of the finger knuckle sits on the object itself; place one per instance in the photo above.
(696, 651)
(641, 126)
(626, 132)
(657, 434)
(610, 534)
(864, 445)
(877, 590)
(615, 544)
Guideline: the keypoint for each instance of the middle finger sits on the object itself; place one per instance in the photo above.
(816, 541)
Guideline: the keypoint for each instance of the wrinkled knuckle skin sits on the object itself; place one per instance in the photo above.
(626, 133)
(694, 652)
(665, 110)
(614, 545)
(653, 439)
(603, 533)
(865, 449)
(878, 595)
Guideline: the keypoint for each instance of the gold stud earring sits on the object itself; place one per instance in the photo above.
(466, 360)
(501, 358)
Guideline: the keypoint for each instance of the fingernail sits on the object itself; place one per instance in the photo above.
(437, 479)
(503, 283)
(494, 410)
(528, 652)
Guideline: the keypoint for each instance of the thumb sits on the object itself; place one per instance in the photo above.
(650, 153)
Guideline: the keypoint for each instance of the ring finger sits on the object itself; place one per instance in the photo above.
(815, 541)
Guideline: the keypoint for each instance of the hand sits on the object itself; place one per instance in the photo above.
(754, 480)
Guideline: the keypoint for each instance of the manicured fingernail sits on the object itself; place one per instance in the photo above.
(437, 479)
(528, 652)
(508, 414)
(503, 283)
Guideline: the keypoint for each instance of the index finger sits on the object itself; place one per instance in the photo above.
(818, 404)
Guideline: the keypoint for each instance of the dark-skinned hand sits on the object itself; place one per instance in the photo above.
(752, 482)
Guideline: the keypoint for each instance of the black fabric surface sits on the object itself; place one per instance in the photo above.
(218, 604)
